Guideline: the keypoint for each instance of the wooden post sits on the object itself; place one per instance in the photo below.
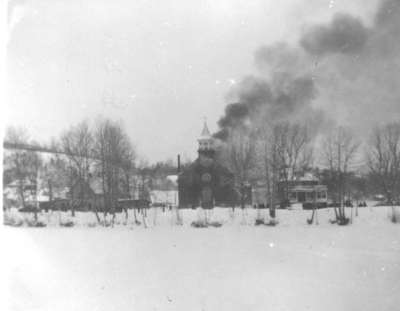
(177, 206)
(315, 206)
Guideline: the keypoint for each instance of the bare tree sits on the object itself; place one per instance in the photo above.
(16, 160)
(128, 167)
(268, 161)
(111, 153)
(292, 151)
(24, 165)
(77, 144)
(55, 176)
(358, 188)
(239, 154)
(283, 149)
(384, 160)
(339, 153)
(241, 151)
(144, 184)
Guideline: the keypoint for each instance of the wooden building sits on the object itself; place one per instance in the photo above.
(206, 182)
(306, 191)
(87, 195)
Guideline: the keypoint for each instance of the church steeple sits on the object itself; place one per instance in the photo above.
(206, 141)
(205, 132)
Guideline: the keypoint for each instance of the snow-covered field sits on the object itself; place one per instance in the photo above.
(292, 266)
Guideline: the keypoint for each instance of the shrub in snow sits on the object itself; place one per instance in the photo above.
(259, 222)
(35, 223)
(272, 222)
(199, 224)
(106, 223)
(92, 224)
(68, 223)
(343, 221)
(215, 224)
(11, 221)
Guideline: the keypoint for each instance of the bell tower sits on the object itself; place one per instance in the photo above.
(206, 160)
(206, 142)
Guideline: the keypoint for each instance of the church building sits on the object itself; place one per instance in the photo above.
(206, 183)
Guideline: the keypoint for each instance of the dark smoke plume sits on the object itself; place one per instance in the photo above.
(357, 76)
(281, 95)
(254, 92)
(279, 98)
(345, 34)
(342, 71)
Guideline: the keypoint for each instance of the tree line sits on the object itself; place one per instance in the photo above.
(271, 152)
(276, 152)
(82, 153)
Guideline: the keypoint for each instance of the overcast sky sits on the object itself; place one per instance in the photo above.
(158, 66)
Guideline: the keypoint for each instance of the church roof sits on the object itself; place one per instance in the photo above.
(205, 133)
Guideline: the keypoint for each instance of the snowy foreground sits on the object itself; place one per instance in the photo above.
(292, 266)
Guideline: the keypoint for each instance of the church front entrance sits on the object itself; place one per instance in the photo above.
(207, 197)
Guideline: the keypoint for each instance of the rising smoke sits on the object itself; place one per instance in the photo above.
(341, 71)
(283, 96)
(345, 34)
